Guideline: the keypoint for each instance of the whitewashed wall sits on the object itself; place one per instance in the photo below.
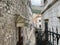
(38, 23)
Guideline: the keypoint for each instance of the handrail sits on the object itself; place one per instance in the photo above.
(54, 33)
(51, 34)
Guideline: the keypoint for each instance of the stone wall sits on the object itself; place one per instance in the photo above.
(9, 11)
(52, 15)
(7, 24)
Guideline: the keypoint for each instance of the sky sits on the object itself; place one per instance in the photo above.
(36, 2)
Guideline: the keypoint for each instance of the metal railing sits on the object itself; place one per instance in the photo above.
(51, 36)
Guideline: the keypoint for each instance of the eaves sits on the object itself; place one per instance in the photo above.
(50, 5)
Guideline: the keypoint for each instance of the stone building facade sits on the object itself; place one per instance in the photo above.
(51, 17)
(13, 16)
(37, 21)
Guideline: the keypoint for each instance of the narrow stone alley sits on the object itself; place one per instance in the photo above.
(29, 22)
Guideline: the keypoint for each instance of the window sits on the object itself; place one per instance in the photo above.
(40, 26)
(39, 20)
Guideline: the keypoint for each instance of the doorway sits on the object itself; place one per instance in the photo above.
(20, 38)
(46, 29)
